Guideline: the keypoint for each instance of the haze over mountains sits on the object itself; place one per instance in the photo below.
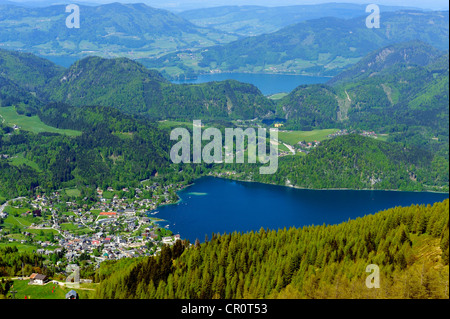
(111, 30)
(256, 20)
(183, 5)
(300, 39)
(324, 46)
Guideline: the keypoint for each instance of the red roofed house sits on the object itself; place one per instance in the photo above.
(110, 214)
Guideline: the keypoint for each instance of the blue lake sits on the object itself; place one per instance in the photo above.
(268, 84)
(214, 205)
(64, 61)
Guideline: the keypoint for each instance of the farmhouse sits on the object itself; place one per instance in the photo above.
(38, 279)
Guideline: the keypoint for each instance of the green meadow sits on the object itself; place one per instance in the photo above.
(19, 160)
(293, 137)
(30, 123)
(277, 96)
(167, 124)
(48, 291)
(72, 192)
(21, 247)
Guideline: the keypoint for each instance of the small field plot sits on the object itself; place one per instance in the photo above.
(30, 123)
(48, 291)
(293, 137)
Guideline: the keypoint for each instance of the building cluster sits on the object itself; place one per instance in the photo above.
(111, 228)
(346, 132)
(305, 147)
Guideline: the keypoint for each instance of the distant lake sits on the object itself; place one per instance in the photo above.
(268, 84)
(64, 61)
(214, 205)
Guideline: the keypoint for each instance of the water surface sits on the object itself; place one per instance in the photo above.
(214, 205)
(268, 84)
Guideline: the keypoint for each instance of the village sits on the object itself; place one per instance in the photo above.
(305, 147)
(347, 132)
(112, 228)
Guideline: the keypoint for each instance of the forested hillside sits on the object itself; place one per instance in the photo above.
(12, 94)
(131, 88)
(324, 46)
(405, 98)
(409, 244)
(27, 70)
(357, 162)
(400, 90)
(96, 136)
(412, 53)
(310, 106)
(113, 149)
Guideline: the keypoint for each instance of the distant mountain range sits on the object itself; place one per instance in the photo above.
(329, 38)
(44, 3)
(401, 89)
(324, 46)
(256, 20)
(112, 30)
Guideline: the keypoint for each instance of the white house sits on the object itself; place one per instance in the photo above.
(38, 279)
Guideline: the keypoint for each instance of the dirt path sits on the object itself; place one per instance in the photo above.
(290, 148)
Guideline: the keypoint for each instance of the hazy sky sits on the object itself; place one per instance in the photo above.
(427, 4)
(183, 4)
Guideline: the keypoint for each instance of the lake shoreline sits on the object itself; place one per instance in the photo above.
(333, 189)
(180, 200)
(251, 72)
(234, 206)
(267, 83)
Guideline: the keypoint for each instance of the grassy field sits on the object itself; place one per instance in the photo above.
(45, 232)
(69, 226)
(32, 124)
(48, 291)
(20, 247)
(277, 96)
(16, 224)
(19, 160)
(16, 221)
(293, 137)
(72, 192)
(282, 148)
(173, 124)
(108, 194)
